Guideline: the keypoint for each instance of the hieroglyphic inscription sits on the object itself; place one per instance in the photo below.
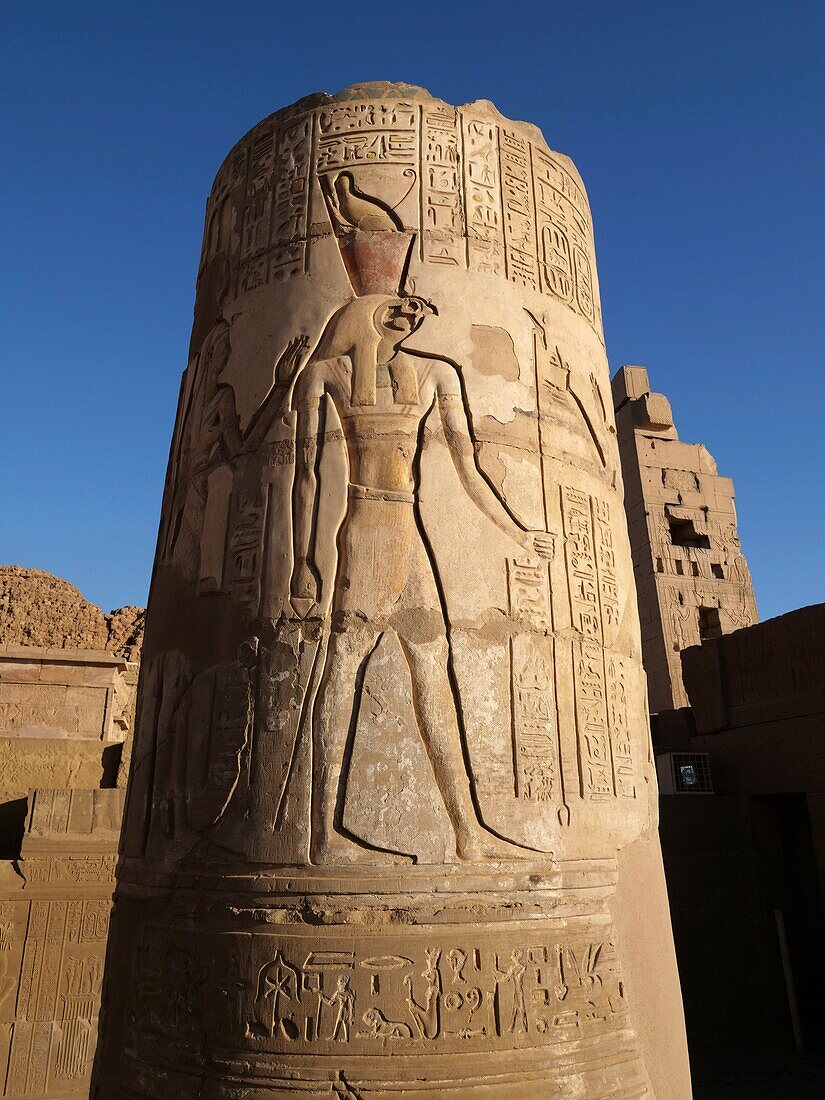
(622, 746)
(52, 1021)
(51, 811)
(218, 237)
(442, 237)
(83, 977)
(591, 713)
(50, 965)
(514, 197)
(9, 959)
(581, 563)
(291, 198)
(80, 711)
(354, 134)
(257, 213)
(88, 921)
(591, 565)
(482, 197)
(534, 732)
(564, 235)
(489, 199)
(30, 1056)
(535, 747)
(456, 996)
(244, 546)
(79, 869)
(19, 1058)
(30, 973)
(605, 752)
(606, 567)
(528, 590)
(519, 218)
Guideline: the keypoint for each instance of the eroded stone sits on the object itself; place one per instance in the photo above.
(392, 729)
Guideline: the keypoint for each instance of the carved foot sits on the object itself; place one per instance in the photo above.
(337, 849)
(481, 846)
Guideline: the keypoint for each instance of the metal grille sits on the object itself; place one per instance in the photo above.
(691, 773)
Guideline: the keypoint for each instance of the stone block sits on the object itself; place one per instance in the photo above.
(54, 921)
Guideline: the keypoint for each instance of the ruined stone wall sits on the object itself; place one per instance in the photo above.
(758, 701)
(38, 609)
(692, 580)
(66, 714)
(68, 674)
(54, 919)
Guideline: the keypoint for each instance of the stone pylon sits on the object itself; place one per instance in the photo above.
(392, 750)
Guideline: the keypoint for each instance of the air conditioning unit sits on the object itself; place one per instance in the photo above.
(684, 773)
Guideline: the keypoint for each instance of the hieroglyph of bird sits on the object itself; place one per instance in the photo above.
(356, 210)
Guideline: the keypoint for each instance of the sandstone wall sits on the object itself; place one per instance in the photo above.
(54, 919)
(67, 684)
(692, 579)
(38, 609)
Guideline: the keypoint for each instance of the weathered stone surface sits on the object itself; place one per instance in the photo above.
(65, 715)
(68, 675)
(392, 731)
(67, 693)
(691, 577)
(54, 919)
(758, 700)
(38, 609)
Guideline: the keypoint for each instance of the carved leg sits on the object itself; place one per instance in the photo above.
(436, 710)
(336, 711)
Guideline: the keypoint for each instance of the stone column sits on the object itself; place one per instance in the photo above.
(392, 732)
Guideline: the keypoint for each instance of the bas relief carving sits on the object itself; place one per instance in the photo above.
(393, 684)
(386, 579)
(312, 509)
(455, 996)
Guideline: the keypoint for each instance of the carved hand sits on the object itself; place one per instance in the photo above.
(290, 359)
(541, 543)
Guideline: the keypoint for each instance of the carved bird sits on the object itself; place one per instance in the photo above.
(362, 211)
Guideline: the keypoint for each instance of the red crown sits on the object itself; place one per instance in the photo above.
(375, 262)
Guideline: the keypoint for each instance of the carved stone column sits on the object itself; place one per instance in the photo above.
(392, 729)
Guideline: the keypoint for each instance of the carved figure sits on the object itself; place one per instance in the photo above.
(343, 1001)
(426, 1016)
(679, 619)
(358, 210)
(233, 987)
(514, 976)
(182, 1010)
(457, 958)
(377, 1026)
(384, 393)
(7, 980)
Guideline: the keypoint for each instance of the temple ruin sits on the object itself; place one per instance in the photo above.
(392, 799)
(692, 580)
(67, 684)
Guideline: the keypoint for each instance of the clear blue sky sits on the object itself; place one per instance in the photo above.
(698, 128)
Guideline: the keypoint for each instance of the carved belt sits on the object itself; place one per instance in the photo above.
(364, 492)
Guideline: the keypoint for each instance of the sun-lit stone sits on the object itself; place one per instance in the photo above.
(392, 751)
